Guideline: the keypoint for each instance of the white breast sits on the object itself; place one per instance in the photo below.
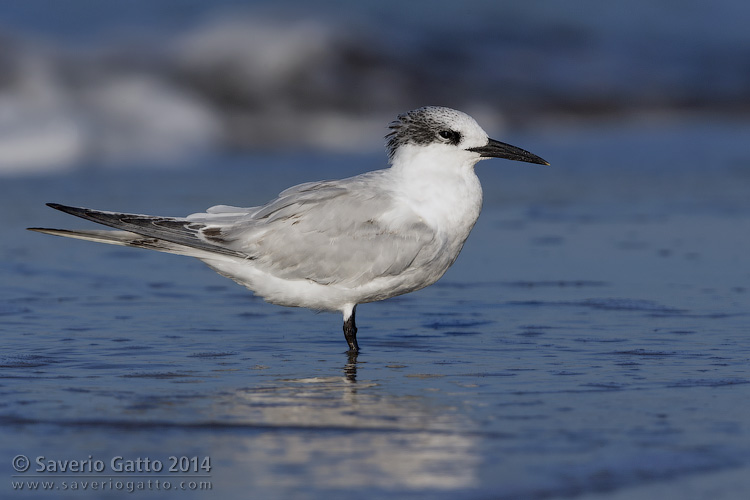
(440, 185)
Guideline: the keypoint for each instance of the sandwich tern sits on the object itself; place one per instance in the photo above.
(332, 245)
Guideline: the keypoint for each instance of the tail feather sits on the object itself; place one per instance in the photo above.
(166, 234)
(125, 238)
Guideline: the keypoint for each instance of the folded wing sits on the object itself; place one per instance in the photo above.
(345, 232)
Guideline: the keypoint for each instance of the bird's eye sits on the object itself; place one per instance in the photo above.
(450, 136)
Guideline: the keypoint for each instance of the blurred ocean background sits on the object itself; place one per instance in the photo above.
(592, 341)
(105, 83)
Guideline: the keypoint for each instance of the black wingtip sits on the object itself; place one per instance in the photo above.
(78, 212)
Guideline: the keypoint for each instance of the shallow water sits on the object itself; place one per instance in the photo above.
(592, 340)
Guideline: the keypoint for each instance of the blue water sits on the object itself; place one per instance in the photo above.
(592, 340)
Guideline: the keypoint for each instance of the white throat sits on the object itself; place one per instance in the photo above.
(440, 185)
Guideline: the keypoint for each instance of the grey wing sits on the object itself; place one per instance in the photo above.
(347, 232)
(173, 230)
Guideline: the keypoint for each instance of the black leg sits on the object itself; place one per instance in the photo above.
(350, 333)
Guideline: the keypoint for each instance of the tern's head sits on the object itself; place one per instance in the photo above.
(445, 131)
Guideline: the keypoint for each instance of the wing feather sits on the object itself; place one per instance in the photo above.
(347, 231)
(173, 230)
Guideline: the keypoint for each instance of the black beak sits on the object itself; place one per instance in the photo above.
(497, 149)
